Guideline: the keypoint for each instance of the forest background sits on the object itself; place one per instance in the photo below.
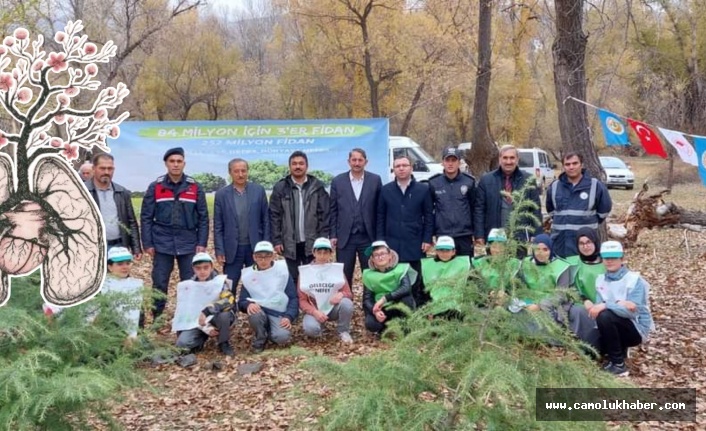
(415, 62)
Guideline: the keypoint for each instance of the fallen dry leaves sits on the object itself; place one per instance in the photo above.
(208, 397)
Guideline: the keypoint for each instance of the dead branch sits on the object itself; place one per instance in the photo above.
(649, 210)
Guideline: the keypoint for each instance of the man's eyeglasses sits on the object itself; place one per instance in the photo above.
(381, 254)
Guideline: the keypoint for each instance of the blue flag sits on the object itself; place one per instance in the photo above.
(614, 130)
(700, 142)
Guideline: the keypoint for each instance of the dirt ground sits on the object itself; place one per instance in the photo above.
(204, 398)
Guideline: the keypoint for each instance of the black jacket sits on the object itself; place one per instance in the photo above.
(489, 203)
(129, 231)
(401, 293)
(343, 203)
(453, 204)
(406, 220)
(316, 214)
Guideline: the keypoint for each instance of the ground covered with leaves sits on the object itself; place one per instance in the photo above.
(278, 392)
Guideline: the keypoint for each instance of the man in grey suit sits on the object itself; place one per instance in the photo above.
(241, 220)
(354, 200)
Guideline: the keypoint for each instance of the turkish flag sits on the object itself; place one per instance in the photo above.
(649, 139)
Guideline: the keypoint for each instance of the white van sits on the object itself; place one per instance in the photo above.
(535, 161)
(423, 165)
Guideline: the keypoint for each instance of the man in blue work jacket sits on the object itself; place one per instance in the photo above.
(575, 200)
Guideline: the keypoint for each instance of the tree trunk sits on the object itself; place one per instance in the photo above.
(413, 107)
(484, 154)
(569, 54)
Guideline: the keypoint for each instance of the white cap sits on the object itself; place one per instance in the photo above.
(445, 243)
(201, 258)
(322, 243)
(611, 249)
(374, 245)
(497, 235)
(119, 254)
(264, 247)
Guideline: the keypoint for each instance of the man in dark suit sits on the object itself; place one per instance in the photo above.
(406, 219)
(241, 220)
(354, 200)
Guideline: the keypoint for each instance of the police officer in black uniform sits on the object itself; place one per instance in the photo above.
(174, 223)
(453, 193)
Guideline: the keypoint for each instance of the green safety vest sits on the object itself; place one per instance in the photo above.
(585, 275)
(490, 274)
(382, 283)
(442, 278)
(543, 278)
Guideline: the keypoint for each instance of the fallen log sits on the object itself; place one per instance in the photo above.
(649, 210)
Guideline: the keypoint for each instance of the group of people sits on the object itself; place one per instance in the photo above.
(388, 228)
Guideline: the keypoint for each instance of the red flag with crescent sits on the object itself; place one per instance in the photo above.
(649, 139)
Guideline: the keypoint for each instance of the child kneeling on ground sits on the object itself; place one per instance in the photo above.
(444, 275)
(386, 281)
(324, 293)
(211, 291)
(269, 297)
(621, 310)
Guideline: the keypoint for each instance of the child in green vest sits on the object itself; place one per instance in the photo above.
(543, 272)
(445, 273)
(548, 278)
(386, 281)
(587, 265)
(494, 273)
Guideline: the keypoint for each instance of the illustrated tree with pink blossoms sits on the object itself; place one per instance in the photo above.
(57, 106)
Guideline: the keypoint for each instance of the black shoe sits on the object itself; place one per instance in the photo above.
(258, 349)
(187, 360)
(226, 349)
(619, 370)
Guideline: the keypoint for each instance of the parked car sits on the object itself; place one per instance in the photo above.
(618, 173)
(535, 161)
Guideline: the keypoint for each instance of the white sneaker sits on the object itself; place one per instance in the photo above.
(346, 337)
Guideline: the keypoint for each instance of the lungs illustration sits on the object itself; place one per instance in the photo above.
(58, 227)
(74, 268)
(6, 188)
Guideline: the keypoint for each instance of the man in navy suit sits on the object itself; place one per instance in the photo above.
(241, 220)
(354, 200)
(406, 219)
